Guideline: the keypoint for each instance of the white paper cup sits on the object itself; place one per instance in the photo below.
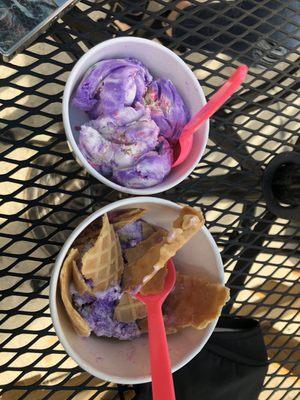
(161, 62)
(127, 362)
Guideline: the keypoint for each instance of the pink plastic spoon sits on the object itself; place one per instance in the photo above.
(185, 142)
(162, 379)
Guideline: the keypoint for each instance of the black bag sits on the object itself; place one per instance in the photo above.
(232, 365)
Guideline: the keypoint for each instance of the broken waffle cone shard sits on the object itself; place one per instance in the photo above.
(79, 324)
(89, 234)
(148, 229)
(156, 284)
(133, 254)
(80, 284)
(129, 309)
(128, 217)
(103, 263)
(97, 259)
(142, 270)
(116, 256)
(194, 302)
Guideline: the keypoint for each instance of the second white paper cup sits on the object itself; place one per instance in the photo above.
(127, 362)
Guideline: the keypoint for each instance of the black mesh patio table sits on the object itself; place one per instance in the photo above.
(247, 183)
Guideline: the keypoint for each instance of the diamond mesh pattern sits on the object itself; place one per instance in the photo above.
(45, 193)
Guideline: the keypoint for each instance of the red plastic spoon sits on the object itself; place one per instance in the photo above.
(185, 142)
(162, 379)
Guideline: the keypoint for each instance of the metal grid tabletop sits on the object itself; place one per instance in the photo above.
(44, 193)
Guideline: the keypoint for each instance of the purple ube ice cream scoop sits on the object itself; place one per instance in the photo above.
(99, 314)
(135, 122)
(167, 108)
(111, 85)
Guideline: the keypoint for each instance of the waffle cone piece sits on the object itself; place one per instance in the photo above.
(148, 229)
(133, 254)
(89, 234)
(79, 324)
(156, 284)
(103, 262)
(129, 309)
(194, 302)
(128, 217)
(80, 284)
(139, 272)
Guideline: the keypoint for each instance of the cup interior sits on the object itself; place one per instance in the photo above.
(162, 63)
(128, 361)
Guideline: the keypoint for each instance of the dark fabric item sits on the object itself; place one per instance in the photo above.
(232, 365)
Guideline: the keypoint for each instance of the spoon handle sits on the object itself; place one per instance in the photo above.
(162, 379)
(217, 100)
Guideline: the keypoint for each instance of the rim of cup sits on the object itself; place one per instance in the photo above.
(54, 285)
(68, 91)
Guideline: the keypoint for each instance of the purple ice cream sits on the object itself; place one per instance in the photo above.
(112, 143)
(135, 122)
(149, 169)
(167, 108)
(111, 85)
(99, 311)
(131, 234)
